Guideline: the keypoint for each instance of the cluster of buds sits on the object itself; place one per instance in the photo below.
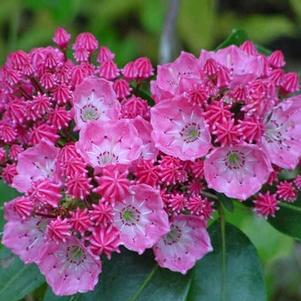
(99, 167)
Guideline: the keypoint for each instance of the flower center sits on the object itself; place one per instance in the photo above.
(89, 112)
(130, 215)
(173, 236)
(75, 254)
(107, 157)
(190, 132)
(235, 160)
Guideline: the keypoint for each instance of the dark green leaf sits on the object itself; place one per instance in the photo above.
(227, 202)
(237, 37)
(287, 219)
(16, 279)
(229, 273)
(7, 193)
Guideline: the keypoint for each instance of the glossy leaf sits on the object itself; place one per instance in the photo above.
(287, 219)
(237, 37)
(231, 272)
(6, 194)
(16, 279)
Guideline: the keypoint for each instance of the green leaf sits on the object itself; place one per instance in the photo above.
(231, 272)
(287, 219)
(6, 194)
(237, 37)
(227, 202)
(16, 279)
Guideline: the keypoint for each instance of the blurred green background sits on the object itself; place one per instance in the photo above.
(133, 28)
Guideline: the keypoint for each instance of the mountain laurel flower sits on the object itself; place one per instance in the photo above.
(105, 156)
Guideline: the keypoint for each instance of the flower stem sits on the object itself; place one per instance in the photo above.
(223, 245)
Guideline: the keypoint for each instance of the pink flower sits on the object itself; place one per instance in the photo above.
(26, 238)
(105, 241)
(241, 64)
(101, 214)
(297, 182)
(35, 163)
(133, 107)
(144, 128)
(122, 88)
(108, 70)
(9, 172)
(80, 220)
(20, 207)
(282, 134)
(58, 230)
(185, 243)
(69, 268)
(200, 207)
(104, 143)
(286, 191)
(266, 205)
(95, 99)
(78, 185)
(178, 131)
(169, 75)
(171, 170)
(141, 219)
(61, 37)
(105, 54)
(146, 172)
(237, 171)
(276, 59)
(46, 191)
(144, 67)
(113, 183)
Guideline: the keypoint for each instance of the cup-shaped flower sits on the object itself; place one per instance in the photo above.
(185, 243)
(103, 143)
(237, 171)
(95, 99)
(141, 219)
(179, 131)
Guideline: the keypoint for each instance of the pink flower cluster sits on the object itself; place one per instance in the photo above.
(99, 168)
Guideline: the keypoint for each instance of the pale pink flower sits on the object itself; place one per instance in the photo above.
(115, 142)
(237, 171)
(178, 131)
(144, 128)
(36, 163)
(282, 133)
(25, 238)
(242, 65)
(185, 243)
(95, 99)
(169, 76)
(70, 268)
(141, 219)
